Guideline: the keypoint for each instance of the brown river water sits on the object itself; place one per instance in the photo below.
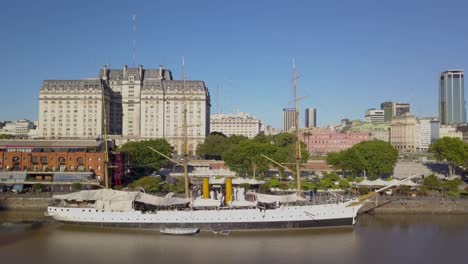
(28, 237)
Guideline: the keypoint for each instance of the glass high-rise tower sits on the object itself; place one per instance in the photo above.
(452, 97)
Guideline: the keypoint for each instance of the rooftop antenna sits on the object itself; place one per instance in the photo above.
(217, 99)
(134, 38)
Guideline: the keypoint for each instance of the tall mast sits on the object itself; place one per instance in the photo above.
(298, 141)
(106, 149)
(185, 149)
(134, 38)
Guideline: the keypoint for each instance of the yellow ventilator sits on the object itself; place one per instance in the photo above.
(206, 188)
(228, 190)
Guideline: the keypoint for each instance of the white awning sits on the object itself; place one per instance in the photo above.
(101, 194)
(114, 196)
(243, 203)
(290, 198)
(382, 183)
(160, 201)
(199, 203)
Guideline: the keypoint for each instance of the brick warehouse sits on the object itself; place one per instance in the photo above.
(54, 162)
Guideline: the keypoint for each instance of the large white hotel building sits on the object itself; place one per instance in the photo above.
(138, 104)
(235, 124)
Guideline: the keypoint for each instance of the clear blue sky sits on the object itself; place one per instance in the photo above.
(351, 56)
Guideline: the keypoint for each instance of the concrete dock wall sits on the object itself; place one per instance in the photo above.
(23, 203)
(416, 205)
(378, 206)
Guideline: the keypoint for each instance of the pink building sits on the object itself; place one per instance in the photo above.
(322, 141)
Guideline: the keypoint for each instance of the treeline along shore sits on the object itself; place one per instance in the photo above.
(379, 205)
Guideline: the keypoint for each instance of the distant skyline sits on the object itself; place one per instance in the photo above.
(351, 56)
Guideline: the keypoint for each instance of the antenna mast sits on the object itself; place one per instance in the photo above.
(106, 149)
(134, 39)
(186, 154)
(217, 99)
(298, 141)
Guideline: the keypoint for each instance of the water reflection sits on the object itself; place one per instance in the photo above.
(379, 238)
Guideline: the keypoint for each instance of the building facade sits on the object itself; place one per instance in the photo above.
(450, 131)
(17, 128)
(392, 109)
(403, 132)
(452, 98)
(235, 124)
(400, 109)
(136, 104)
(289, 118)
(73, 109)
(427, 132)
(375, 116)
(269, 130)
(310, 117)
(321, 141)
(378, 131)
(46, 161)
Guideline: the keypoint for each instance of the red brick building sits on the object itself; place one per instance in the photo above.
(46, 159)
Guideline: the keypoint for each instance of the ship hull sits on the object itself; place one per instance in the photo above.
(278, 225)
(288, 217)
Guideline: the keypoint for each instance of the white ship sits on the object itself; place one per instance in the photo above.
(122, 209)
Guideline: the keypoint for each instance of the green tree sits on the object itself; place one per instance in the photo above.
(143, 159)
(76, 186)
(378, 157)
(451, 186)
(307, 186)
(344, 184)
(246, 157)
(431, 182)
(235, 139)
(6, 136)
(326, 183)
(177, 186)
(451, 150)
(363, 190)
(149, 184)
(374, 158)
(273, 183)
(284, 139)
(37, 187)
(213, 146)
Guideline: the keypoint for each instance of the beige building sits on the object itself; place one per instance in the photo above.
(17, 128)
(235, 124)
(403, 132)
(72, 109)
(450, 131)
(140, 104)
